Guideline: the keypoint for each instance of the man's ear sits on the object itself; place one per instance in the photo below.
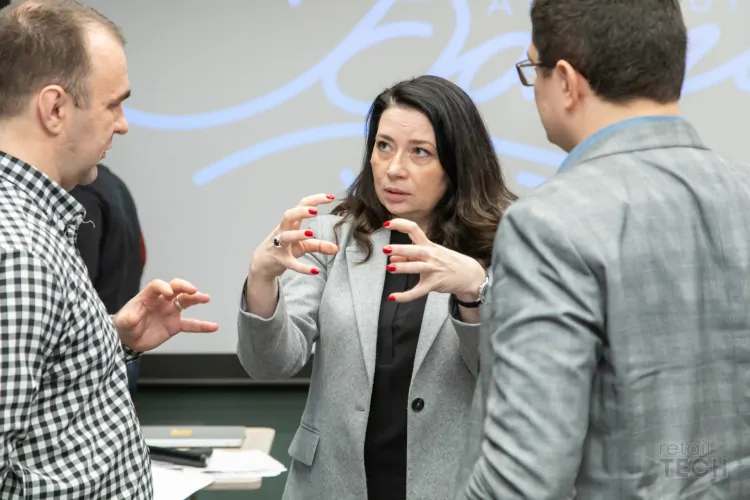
(53, 106)
(571, 84)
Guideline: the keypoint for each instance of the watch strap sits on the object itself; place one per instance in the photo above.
(480, 293)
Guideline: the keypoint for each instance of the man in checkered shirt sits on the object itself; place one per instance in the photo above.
(67, 425)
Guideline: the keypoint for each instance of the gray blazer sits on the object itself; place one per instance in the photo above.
(337, 311)
(616, 357)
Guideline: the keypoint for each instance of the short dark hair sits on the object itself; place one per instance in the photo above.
(43, 42)
(466, 218)
(626, 49)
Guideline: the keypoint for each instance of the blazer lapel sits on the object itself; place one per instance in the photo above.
(366, 282)
(435, 316)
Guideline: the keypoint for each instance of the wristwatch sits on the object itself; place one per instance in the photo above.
(482, 293)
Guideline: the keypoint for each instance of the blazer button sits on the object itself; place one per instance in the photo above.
(417, 404)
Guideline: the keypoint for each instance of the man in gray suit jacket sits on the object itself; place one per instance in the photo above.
(616, 356)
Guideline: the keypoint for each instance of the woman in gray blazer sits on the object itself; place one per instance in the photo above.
(387, 290)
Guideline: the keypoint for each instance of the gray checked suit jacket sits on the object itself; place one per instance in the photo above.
(338, 311)
(616, 359)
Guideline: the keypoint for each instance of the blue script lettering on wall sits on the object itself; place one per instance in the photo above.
(453, 62)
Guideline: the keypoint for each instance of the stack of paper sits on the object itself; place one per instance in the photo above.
(247, 463)
(230, 465)
(177, 484)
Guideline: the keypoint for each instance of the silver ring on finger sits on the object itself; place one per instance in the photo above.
(178, 305)
(277, 241)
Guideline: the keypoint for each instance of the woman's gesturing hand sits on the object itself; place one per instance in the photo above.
(440, 269)
(287, 242)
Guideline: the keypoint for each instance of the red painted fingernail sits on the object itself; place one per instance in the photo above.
(386, 223)
(391, 298)
(330, 197)
(313, 211)
(308, 233)
(314, 271)
(387, 249)
(390, 268)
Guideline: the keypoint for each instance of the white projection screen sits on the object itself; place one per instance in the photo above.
(242, 107)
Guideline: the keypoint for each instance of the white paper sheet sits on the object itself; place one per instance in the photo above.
(171, 484)
(225, 465)
(244, 461)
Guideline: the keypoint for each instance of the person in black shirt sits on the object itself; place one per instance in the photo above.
(111, 244)
(393, 312)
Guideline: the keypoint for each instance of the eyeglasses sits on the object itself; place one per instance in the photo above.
(527, 72)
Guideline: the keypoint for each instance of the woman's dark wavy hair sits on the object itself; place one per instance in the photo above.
(466, 218)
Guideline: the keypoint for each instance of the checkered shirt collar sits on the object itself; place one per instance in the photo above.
(60, 207)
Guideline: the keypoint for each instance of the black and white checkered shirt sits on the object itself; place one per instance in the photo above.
(68, 429)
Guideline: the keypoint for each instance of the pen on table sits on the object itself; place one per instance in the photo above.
(191, 457)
